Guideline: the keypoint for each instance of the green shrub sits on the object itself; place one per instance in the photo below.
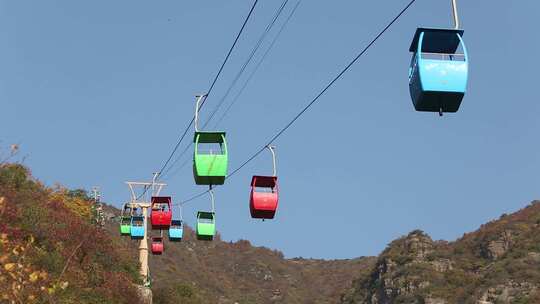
(177, 293)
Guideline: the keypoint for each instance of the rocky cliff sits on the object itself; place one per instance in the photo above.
(499, 263)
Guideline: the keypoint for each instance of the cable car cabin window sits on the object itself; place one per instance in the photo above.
(445, 57)
(204, 220)
(161, 207)
(137, 222)
(210, 149)
(264, 189)
(126, 220)
(205, 217)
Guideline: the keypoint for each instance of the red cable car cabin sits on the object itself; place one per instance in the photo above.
(263, 200)
(161, 215)
(157, 245)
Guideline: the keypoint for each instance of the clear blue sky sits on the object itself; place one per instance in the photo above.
(97, 92)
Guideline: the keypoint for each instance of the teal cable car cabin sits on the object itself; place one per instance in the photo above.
(137, 227)
(176, 231)
(438, 73)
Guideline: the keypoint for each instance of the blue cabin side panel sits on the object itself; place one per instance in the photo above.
(443, 75)
(415, 87)
(137, 231)
(176, 233)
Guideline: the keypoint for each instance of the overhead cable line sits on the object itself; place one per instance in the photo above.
(207, 92)
(211, 86)
(166, 175)
(248, 60)
(257, 46)
(330, 84)
(235, 99)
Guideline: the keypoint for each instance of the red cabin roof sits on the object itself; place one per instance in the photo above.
(264, 197)
(161, 214)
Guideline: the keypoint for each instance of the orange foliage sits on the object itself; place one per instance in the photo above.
(20, 281)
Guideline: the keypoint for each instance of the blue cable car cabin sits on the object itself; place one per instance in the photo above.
(176, 231)
(137, 227)
(439, 72)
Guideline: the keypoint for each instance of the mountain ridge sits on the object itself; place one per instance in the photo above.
(193, 271)
(498, 263)
(52, 251)
(489, 265)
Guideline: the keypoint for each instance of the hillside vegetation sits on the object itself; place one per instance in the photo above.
(51, 251)
(194, 272)
(498, 263)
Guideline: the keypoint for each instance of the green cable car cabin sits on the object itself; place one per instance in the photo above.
(210, 160)
(125, 225)
(125, 220)
(206, 225)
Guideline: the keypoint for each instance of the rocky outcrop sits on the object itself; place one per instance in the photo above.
(495, 249)
(402, 273)
(499, 263)
(442, 265)
(507, 293)
(418, 245)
